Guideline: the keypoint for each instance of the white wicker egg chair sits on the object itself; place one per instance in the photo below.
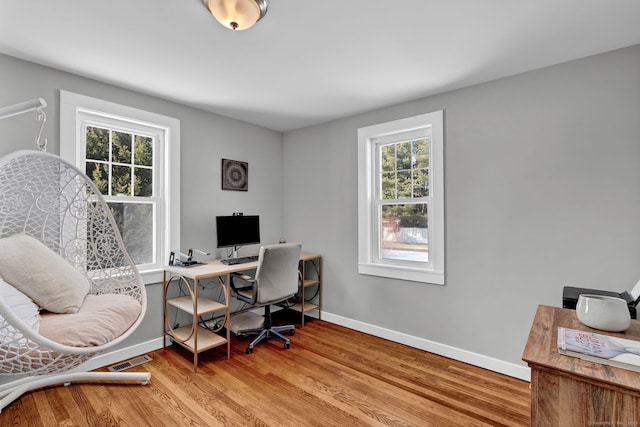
(44, 197)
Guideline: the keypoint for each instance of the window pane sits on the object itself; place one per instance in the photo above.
(404, 184)
(388, 185)
(121, 180)
(404, 232)
(388, 158)
(121, 147)
(135, 222)
(421, 183)
(143, 182)
(404, 169)
(403, 153)
(99, 174)
(143, 154)
(97, 143)
(421, 153)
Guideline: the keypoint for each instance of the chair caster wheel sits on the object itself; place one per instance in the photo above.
(249, 350)
(292, 332)
(287, 346)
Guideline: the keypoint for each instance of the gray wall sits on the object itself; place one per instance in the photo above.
(542, 190)
(206, 139)
(542, 179)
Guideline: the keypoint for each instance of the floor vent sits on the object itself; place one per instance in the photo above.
(130, 363)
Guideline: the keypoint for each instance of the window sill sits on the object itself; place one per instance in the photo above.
(150, 277)
(402, 273)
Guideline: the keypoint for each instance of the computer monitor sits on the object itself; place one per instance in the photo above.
(237, 230)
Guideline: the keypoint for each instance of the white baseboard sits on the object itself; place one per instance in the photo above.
(490, 363)
(465, 356)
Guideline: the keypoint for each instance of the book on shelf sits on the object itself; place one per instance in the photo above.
(608, 350)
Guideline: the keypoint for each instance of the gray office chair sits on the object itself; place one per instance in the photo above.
(276, 280)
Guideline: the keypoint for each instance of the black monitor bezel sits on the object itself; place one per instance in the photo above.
(230, 224)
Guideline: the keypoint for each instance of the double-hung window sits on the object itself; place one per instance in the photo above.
(133, 158)
(401, 200)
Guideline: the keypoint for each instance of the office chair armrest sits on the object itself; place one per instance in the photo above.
(252, 285)
(244, 277)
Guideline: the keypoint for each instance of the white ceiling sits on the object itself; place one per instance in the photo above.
(308, 61)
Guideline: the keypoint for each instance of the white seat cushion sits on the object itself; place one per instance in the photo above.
(44, 276)
(101, 319)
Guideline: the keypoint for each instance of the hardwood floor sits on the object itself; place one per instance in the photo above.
(331, 376)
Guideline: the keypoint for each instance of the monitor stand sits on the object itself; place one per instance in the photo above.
(234, 253)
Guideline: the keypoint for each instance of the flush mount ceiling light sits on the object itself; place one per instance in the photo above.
(237, 14)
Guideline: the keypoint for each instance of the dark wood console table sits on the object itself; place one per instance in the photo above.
(568, 391)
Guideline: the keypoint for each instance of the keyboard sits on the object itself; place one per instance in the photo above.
(241, 260)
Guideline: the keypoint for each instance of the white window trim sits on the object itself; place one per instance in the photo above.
(367, 218)
(73, 105)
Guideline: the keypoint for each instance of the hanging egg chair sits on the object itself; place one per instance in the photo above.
(69, 291)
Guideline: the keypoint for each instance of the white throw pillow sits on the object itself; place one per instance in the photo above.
(20, 304)
(44, 276)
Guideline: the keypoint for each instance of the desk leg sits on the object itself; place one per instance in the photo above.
(302, 297)
(164, 309)
(195, 325)
(227, 294)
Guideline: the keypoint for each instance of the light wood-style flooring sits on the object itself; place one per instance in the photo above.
(331, 376)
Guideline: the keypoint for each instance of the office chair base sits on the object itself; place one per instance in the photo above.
(273, 332)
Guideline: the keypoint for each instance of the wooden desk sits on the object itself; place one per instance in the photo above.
(568, 391)
(196, 338)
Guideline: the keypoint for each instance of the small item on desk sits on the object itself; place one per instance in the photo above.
(190, 253)
(619, 352)
(603, 312)
(240, 260)
(189, 262)
(571, 294)
(192, 263)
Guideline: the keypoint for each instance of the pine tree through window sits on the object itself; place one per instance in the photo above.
(404, 182)
(121, 164)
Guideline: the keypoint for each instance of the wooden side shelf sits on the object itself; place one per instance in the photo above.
(205, 305)
(304, 308)
(311, 273)
(193, 337)
(206, 339)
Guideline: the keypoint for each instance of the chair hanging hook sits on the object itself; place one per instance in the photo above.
(42, 145)
(24, 107)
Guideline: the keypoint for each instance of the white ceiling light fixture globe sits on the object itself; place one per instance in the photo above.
(237, 14)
